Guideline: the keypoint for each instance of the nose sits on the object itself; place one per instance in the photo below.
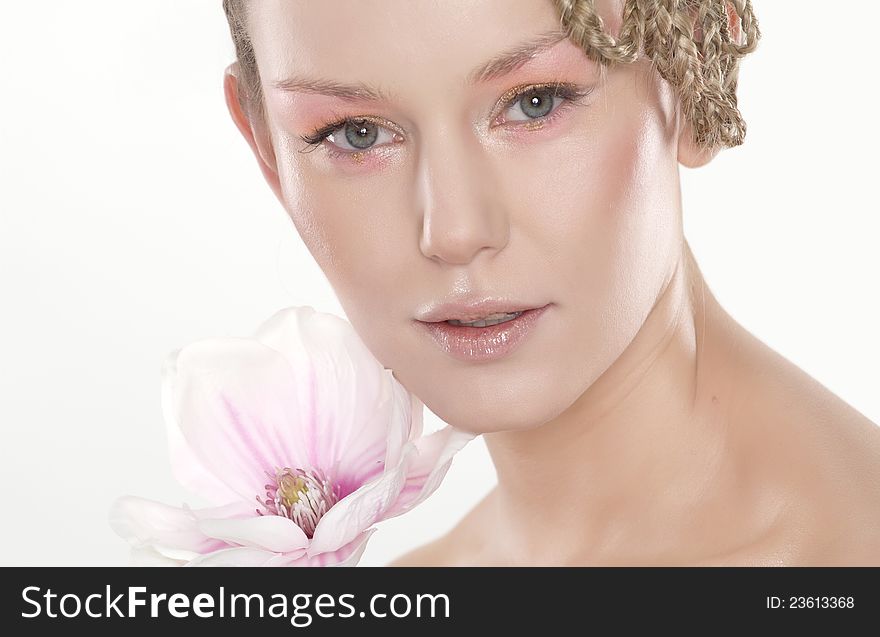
(462, 209)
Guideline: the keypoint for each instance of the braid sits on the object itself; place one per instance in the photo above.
(689, 43)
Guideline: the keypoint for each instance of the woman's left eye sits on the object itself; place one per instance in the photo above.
(536, 103)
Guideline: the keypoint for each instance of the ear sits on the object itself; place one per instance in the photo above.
(689, 154)
(253, 129)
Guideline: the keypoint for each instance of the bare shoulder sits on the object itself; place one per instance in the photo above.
(826, 457)
(460, 546)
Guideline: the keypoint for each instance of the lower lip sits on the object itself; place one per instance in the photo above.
(481, 344)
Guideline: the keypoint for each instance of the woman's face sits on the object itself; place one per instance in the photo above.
(445, 194)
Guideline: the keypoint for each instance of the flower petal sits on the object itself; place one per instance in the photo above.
(360, 509)
(269, 532)
(148, 556)
(348, 555)
(186, 467)
(350, 393)
(382, 421)
(236, 556)
(285, 559)
(425, 470)
(171, 531)
(235, 400)
(408, 410)
(417, 410)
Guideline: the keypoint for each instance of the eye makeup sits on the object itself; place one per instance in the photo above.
(567, 95)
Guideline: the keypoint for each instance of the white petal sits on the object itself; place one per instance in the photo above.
(237, 556)
(270, 532)
(407, 415)
(350, 392)
(426, 469)
(359, 510)
(417, 409)
(348, 555)
(171, 531)
(236, 401)
(188, 470)
(148, 556)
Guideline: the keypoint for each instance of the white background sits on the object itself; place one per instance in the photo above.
(134, 220)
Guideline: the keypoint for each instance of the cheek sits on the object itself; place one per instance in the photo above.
(607, 215)
(631, 215)
(605, 206)
(346, 223)
(361, 237)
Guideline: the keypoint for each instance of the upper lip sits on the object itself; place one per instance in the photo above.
(471, 308)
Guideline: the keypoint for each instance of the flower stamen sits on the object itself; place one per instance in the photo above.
(302, 496)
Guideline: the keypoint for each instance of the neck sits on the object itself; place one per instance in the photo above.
(643, 457)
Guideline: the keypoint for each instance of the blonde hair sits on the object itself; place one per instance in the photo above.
(689, 43)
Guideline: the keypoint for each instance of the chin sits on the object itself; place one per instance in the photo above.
(525, 390)
(498, 404)
(485, 419)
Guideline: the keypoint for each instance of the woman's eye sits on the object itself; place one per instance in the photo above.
(356, 135)
(534, 104)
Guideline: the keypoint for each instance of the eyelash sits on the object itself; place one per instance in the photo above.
(570, 94)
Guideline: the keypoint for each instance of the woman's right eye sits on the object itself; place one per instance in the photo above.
(353, 135)
(358, 135)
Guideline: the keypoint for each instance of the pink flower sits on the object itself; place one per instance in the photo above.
(300, 438)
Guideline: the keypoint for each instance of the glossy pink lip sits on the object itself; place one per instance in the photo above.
(472, 310)
(481, 344)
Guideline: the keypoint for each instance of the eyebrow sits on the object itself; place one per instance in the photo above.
(499, 65)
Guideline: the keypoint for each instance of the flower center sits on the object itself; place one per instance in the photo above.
(302, 496)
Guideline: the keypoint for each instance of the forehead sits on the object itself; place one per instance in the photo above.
(388, 42)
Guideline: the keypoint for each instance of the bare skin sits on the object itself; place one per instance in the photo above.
(789, 474)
